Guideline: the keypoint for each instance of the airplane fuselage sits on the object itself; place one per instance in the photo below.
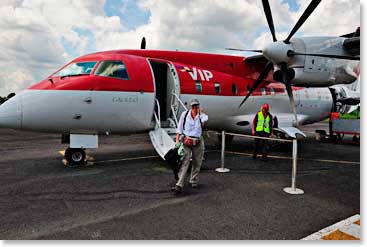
(97, 103)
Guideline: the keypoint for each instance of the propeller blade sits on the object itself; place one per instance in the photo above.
(288, 87)
(235, 49)
(311, 7)
(143, 44)
(269, 18)
(262, 76)
(293, 53)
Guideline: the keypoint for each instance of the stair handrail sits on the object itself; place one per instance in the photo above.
(158, 118)
(174, 115)
(179, 100)
(172, 108)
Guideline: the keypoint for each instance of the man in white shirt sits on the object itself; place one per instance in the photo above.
(189, 131)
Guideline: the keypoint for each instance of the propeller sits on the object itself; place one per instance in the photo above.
(311, 7)
(262, 76)
(143, 44)
(279, 53)
(291, 53)
(288, 87)
(235, 49)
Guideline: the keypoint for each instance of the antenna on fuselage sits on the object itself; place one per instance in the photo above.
(143, 44)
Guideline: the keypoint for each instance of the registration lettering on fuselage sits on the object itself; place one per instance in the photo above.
(125, 99)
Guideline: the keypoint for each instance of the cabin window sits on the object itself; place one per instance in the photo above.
(217, 87)
(272, 91)
(80, 68)
(115, 69)
(263, 91)
(234, 89)
(198, 86)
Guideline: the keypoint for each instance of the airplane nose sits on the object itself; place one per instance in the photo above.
(11, 113)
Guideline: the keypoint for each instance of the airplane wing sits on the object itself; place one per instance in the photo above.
(352, 46)
(260, 59)
(349, 100)
(285, 124)
(290, 131)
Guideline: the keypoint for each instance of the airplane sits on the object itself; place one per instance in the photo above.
(133, 91)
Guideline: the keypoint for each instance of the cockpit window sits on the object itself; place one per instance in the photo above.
(81, 68)
(115, 69)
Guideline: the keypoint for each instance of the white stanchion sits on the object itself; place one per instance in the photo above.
(293, 189)
(222, 169)
(290, 190)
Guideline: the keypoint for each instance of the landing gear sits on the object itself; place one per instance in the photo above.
(75, 156)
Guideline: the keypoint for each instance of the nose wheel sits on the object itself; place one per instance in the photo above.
(75, 156)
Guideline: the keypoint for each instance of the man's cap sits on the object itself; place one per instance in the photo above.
(194, 102)
(265, 106)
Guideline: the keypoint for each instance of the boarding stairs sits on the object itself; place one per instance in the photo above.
(163, 137)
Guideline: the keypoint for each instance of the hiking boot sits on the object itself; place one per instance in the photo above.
(177, 190)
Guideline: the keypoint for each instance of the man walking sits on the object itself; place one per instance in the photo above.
(262, 126)
(189, 131)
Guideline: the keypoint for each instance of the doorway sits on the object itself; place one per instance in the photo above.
(164, 87)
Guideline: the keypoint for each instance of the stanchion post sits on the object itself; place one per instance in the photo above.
(222, 169)
(293, 189)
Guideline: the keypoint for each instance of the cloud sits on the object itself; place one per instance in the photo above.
(14, 81)
(39, 36)
(332, 17)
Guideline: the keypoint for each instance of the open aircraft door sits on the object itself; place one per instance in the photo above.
(167, 106)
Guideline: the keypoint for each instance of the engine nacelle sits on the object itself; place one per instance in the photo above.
(323, 77)
(311, 71)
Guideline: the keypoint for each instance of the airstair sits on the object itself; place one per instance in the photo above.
(163, 137)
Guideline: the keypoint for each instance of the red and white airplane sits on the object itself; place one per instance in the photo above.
(131, 91)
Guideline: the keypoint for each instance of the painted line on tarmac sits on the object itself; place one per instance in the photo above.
(289, 158)
(348, 229)
(128, 159)
(92, 161)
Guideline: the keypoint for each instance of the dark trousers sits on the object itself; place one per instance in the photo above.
(261, 145)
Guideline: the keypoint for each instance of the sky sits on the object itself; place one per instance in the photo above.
(39, 36)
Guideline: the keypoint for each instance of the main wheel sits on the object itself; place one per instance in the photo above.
(75, 156)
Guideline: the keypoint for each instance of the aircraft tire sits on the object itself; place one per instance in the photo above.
(75, 156)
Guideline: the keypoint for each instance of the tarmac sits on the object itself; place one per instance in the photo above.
(124, 192)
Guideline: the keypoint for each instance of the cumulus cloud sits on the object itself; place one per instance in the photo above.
(14, 81)
(332, 17)
(34, 35)
(38, 36)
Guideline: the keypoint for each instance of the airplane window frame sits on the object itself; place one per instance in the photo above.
(217, 87)
(198, 86)
(90, 68)
(101, 63)
(234, 89)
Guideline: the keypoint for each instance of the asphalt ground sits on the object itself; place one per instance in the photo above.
(125, 193)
